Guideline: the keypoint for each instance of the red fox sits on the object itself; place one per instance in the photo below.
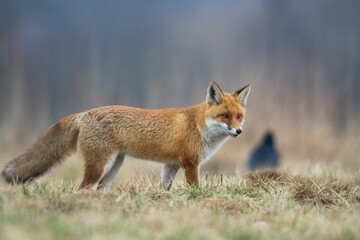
(185, 138)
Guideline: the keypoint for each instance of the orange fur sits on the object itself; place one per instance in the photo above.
(176, 137)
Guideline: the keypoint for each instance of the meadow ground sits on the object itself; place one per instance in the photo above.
(271, 205)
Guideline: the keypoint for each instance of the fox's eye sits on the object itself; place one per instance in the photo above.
(226, 116)
(238, 116)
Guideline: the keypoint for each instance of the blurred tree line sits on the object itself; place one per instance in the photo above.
(62, 57)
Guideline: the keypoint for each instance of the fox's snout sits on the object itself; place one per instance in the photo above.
(238, 132)
(234, 132)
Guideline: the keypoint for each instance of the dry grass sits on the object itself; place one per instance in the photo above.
(272, 205)
(308, 190)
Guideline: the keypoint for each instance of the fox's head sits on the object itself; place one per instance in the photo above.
(226, 111)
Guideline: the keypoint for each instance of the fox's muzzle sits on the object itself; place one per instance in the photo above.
(234, 133)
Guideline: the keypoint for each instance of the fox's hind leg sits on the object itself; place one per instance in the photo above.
(96, 166)
(168, 174)
(105, 182)
(92, 175)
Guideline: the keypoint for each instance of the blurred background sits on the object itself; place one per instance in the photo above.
(301, 57)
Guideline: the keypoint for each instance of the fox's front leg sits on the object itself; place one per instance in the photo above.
(168, 174)
(192, 174)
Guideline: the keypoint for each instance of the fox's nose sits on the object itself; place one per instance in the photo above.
(238, 131)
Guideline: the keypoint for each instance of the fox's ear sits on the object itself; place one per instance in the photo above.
(243, 94)
(214, 94)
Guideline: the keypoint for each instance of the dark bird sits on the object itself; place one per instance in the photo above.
(265, 155)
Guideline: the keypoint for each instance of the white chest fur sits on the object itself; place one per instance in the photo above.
(215, 136)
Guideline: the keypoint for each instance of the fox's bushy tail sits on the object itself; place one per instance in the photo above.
(53, 145)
